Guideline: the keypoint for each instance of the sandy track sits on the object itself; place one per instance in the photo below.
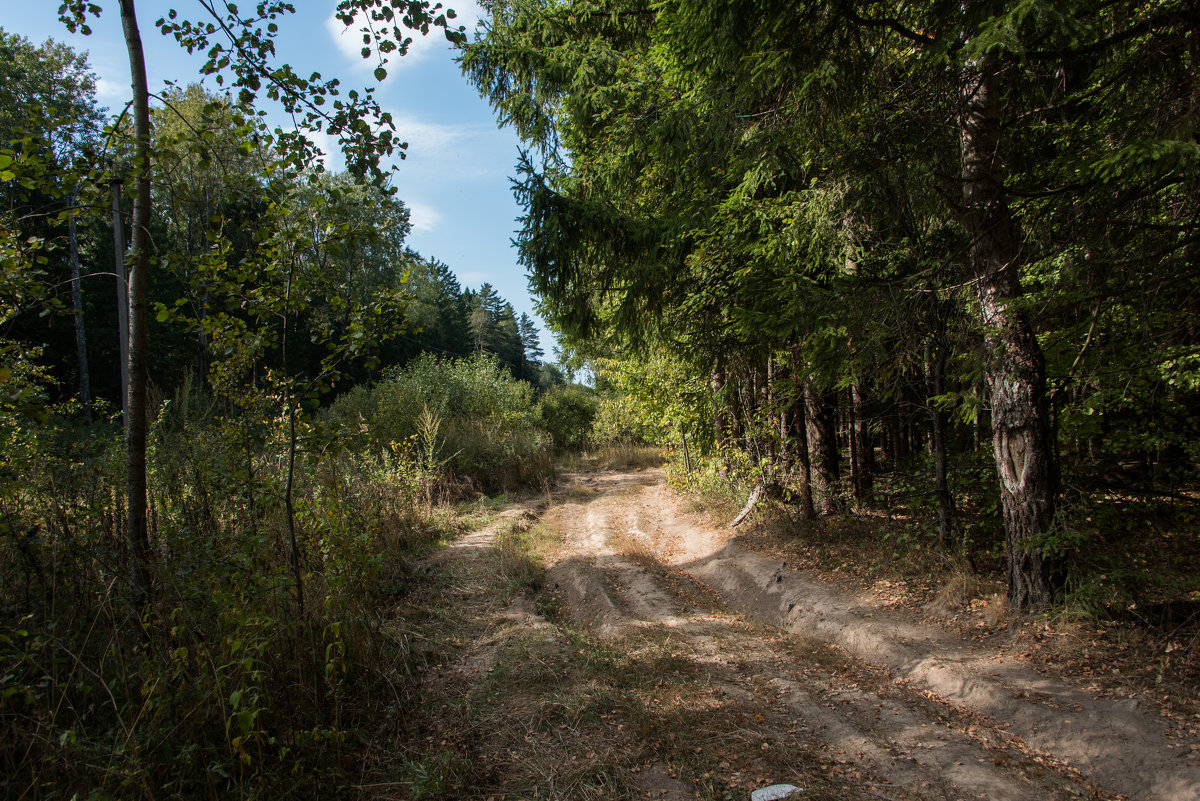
(913, 710)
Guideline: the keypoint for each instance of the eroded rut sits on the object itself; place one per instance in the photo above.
(907, 708)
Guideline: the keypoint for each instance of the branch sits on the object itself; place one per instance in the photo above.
(751, 502)
(1146, 26)
(893, 25)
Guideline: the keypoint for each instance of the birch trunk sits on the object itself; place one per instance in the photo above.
(135, 417)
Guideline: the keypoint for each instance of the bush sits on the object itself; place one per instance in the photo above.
(224, 686)
(619, 420)
(466, 416)
(567, 414)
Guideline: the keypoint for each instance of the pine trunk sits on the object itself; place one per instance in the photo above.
(821, 410)
(864, 446)
(936, 369)
(122, 294)
(85, 384)
(796, 435)
(720, 424)
(1016, 371)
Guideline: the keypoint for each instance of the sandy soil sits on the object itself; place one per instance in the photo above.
(913, 709)
(750, 673)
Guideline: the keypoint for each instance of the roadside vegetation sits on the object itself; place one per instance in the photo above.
(321, 401)
(912, 290)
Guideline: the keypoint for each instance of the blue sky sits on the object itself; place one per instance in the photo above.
(456, 176)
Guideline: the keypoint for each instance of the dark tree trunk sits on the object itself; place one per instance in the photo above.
(768, 397)
(887, 447)
(795, 435)
(1016, 372)
(848, 428)
(289, 490)
(720, 424)
(978, 430)
(85, 384)
(864, 445)
(736, 407)
(135, 418)
(945, 500)
(122, 294)
(822, 447)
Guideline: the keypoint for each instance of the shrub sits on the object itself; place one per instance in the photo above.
(469, 417)
(223, 687)
(567, 414)
(620, 420)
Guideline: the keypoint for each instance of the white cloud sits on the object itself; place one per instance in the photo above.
(112, 80)
(424, 218)
(430, 138)
(440, 152)
(470, 13)
(349, 38)
(110, 91)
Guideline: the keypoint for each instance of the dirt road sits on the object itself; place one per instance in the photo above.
(771, 677)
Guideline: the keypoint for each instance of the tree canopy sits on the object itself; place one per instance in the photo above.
(905, 202)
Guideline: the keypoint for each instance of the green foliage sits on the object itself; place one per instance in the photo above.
(567, 414)
(651, 399)
(620, 419)
(488, 428)
(220, 690)
(259, 654)
(748, 189)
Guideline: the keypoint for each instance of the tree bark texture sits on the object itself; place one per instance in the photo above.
(85, 384)
(796, 433)
(135, 418)
(864, 445)
(122, 294)
(720, 424)
(821, 408)
(1016, 371)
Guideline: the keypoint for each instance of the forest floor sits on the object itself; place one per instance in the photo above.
(605, 641)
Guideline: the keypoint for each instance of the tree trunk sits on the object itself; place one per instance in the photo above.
(1016, 371)
(852, 444)
(887, 448)
(720, 425)
(822, 447)
(945, 501)
(771, 413)
(85, 384)
(289, 491)
(796, 433)
(122, 294)
(135, 418)
(288, 502)
(864, 446)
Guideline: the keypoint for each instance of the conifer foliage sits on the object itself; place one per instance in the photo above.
(877, 229)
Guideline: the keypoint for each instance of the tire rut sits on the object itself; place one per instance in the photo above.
(812, 698)
(912, 714)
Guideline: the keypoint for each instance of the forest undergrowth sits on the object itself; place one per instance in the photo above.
(266, 657)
